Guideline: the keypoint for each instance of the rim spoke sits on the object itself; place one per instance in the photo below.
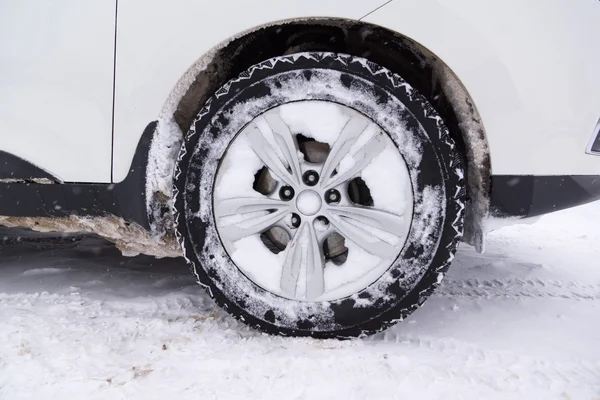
(351, 131)
(268, 213)
(388, 222)
(269, 157)
(362, 237)
(315, 284)
(291, 265)
(306, 254)
(362, 158)
(284, 138)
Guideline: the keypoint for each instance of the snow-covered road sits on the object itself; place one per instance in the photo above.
(78, 321)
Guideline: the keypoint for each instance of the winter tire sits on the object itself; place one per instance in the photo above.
(319, 194)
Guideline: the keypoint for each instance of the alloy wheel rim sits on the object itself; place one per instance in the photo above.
(308, 205)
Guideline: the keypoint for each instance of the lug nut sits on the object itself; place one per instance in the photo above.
(310, 178)
(286, 193)
(332, 196)
(295, 220)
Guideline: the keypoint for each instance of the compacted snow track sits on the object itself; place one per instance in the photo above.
(77, 320)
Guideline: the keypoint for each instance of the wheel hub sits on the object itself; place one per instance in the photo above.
(309, 203)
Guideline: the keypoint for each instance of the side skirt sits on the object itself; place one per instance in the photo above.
(530, 196)
(28, 191)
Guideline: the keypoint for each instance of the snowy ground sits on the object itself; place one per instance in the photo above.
(522, 321)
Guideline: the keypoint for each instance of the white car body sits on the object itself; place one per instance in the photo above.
(80, 81)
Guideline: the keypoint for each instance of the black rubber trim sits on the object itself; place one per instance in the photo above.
(14, 167)
(530, 196)
(126, 199)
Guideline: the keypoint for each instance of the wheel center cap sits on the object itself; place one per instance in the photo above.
(308, 202)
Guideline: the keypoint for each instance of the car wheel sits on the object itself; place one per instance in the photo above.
(319, 194)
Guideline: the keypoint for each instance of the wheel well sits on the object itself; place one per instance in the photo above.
(416, 64)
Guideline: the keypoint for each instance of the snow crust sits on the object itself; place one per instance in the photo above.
(235, 179)
(110, 227)
(386, 168)
(494, 223)
(321, 120)
(519, 322)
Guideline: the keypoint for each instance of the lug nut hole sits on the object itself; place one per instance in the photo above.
(295, 220)
(310, 178)
(321, 224)
(332, 196)
(286, 193)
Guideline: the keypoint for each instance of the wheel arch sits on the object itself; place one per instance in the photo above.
(415, 63)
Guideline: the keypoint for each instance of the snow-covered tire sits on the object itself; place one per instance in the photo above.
(436, 176)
